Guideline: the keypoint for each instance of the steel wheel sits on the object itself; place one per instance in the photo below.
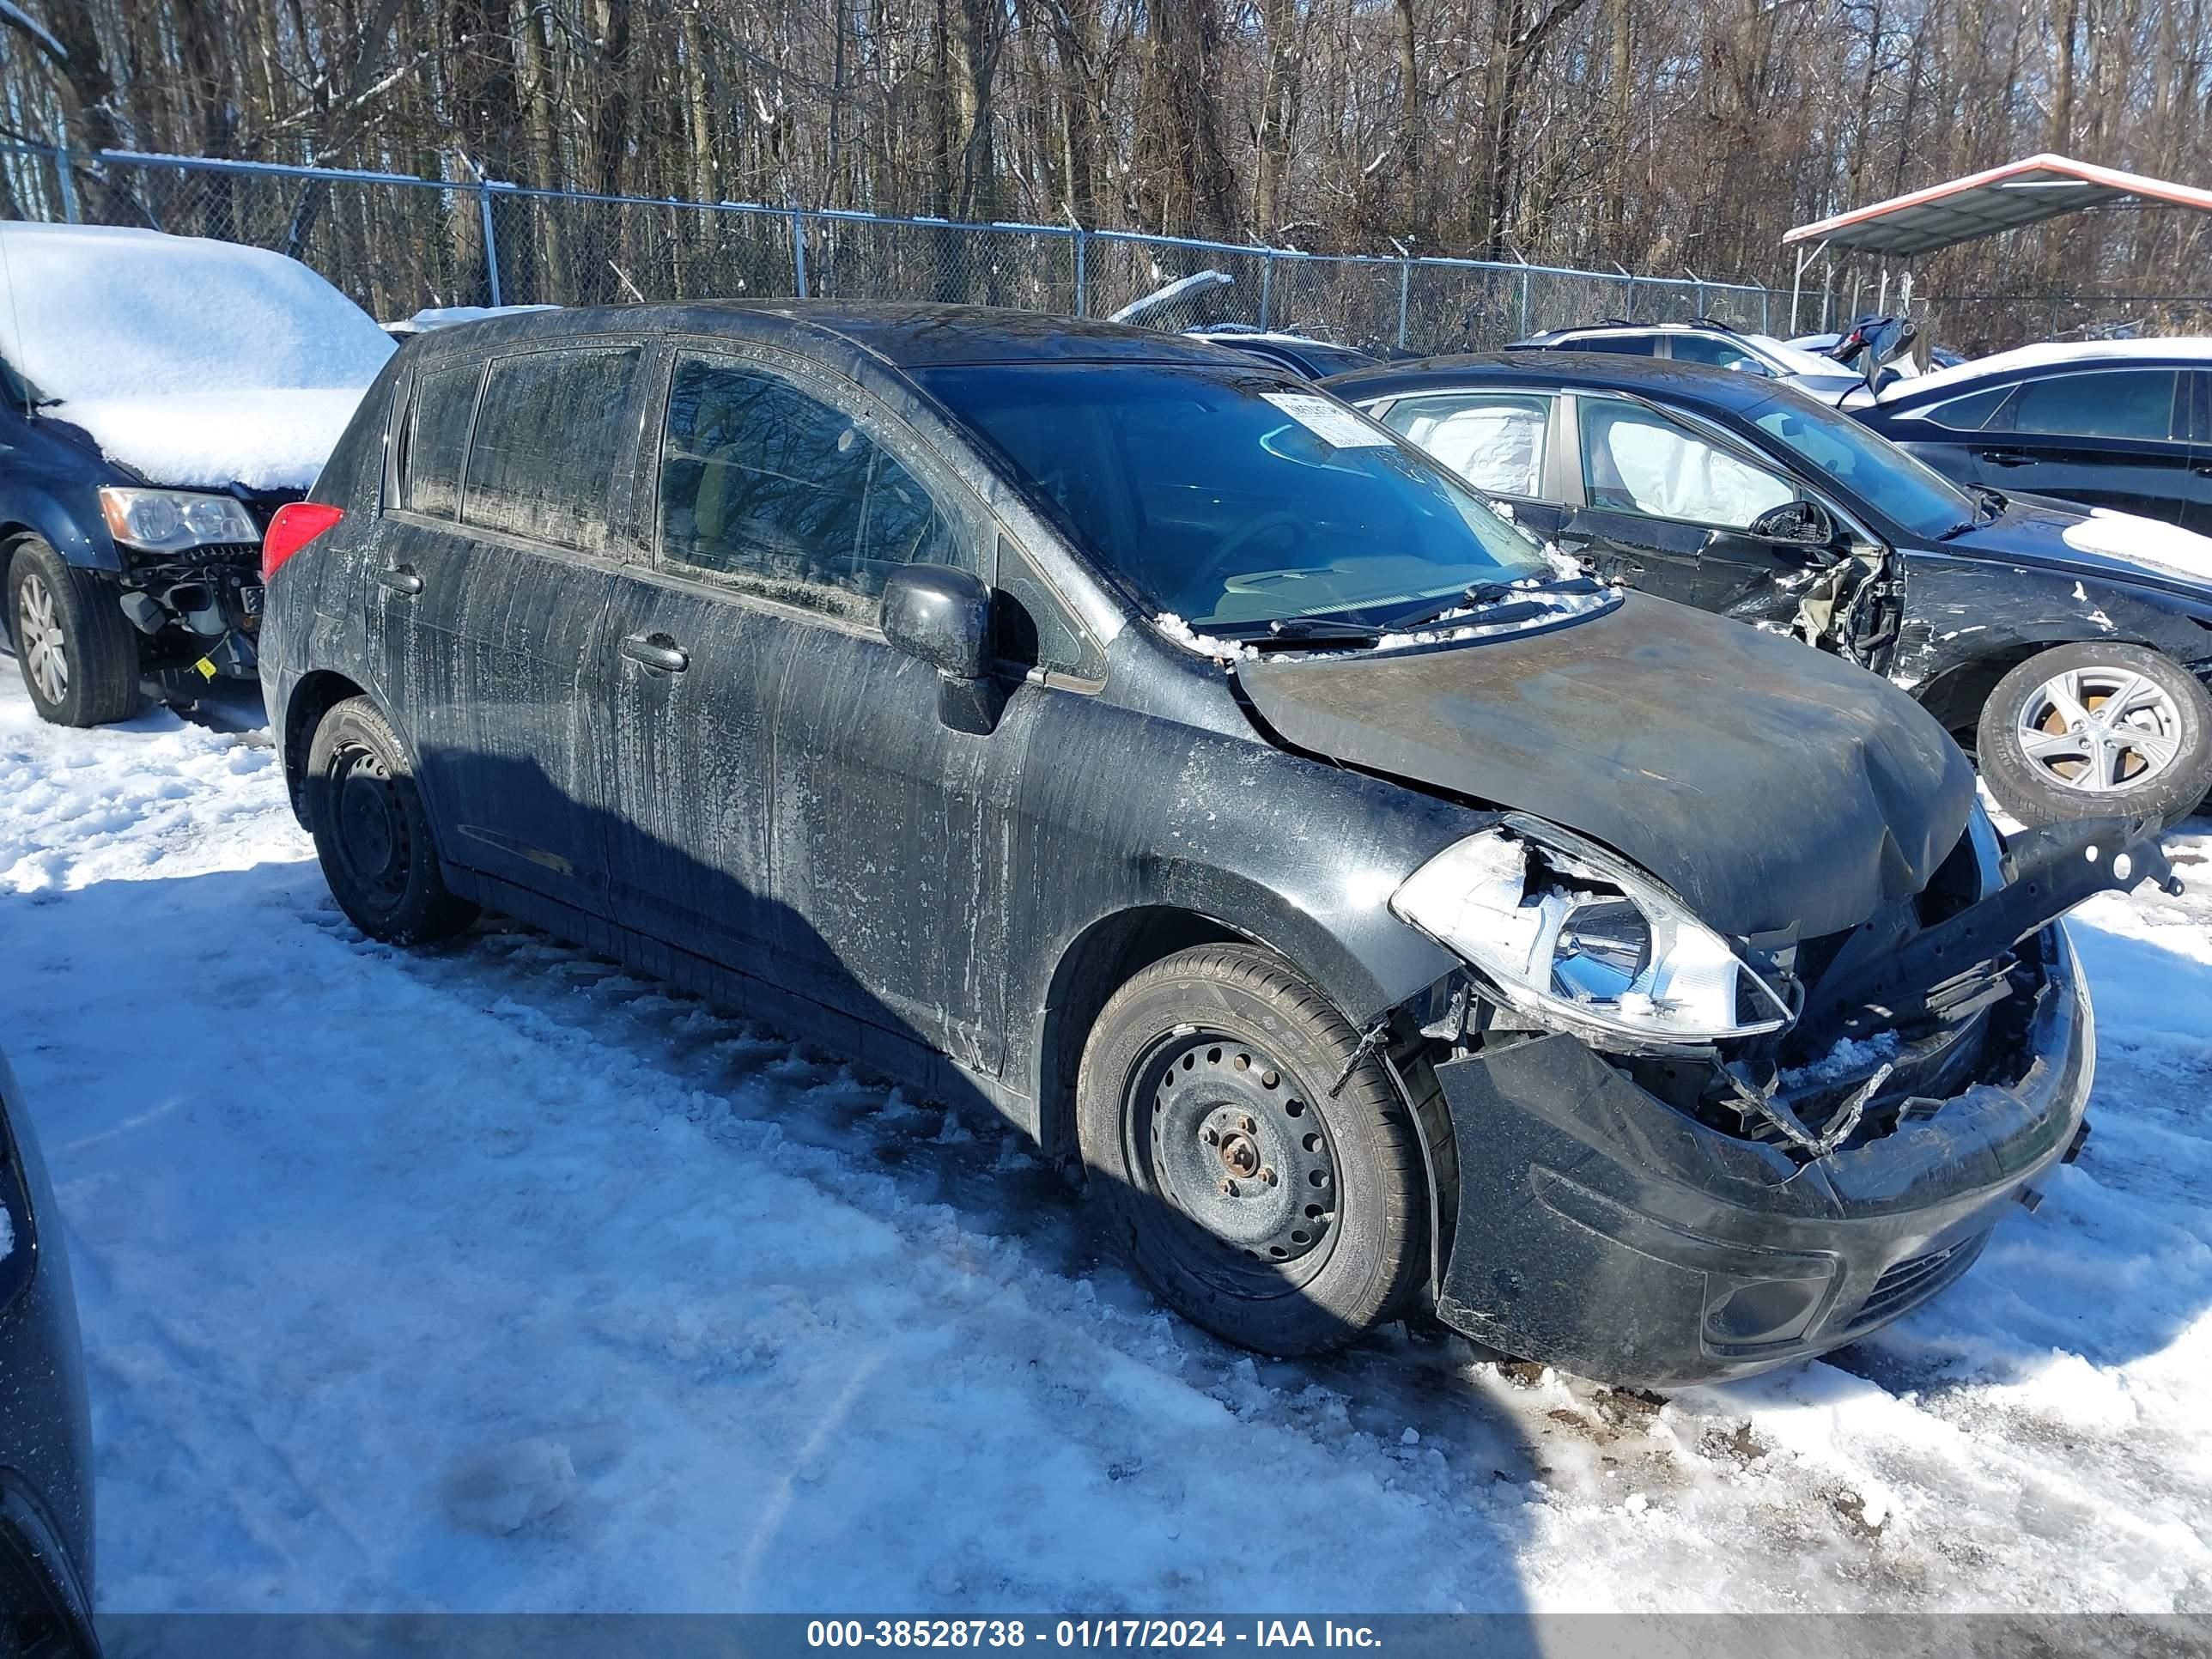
(44, 646)
(372, 839)
(1226, 1136)
(2100, 729)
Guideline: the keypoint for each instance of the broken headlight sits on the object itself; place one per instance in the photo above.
(1578, 939)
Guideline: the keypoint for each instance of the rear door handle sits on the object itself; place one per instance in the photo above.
(400, 581)
(2008, 457)
(657, 652)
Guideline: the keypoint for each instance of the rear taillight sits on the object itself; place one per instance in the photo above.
(296, 524)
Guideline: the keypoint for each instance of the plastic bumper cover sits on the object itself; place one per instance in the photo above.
(1601, 1229)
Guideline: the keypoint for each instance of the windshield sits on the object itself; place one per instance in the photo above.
(1230, 496)
(1904, 490)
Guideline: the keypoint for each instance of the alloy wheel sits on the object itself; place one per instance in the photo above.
(45, 648)
(2100, 730)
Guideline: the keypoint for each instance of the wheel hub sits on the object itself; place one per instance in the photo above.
(2100, 729)
(46, 651)
(372, 832)
(1236, 1146)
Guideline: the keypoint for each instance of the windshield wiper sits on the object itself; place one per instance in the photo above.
(1497, 603)
(1308, 630)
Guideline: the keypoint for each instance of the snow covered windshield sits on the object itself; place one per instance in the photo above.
(1227, 496)
(192, 361)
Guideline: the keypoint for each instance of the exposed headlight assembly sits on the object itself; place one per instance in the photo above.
(170, 520)
(1576, 938)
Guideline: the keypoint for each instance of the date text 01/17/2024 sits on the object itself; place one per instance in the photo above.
(1086, 1633)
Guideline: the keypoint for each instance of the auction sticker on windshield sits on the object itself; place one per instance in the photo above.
(1332, 424)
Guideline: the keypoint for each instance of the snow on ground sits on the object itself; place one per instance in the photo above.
(493, 1277)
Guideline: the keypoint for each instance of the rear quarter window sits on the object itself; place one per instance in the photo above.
(552, 430)
(437, 436)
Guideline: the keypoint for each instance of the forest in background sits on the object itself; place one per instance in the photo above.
(1659, 135)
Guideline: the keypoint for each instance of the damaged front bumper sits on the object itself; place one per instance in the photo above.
(1601, 1229)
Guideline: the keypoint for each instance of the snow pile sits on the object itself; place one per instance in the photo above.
(192, 361)
(496, 1277)
(1206, 645)
(2148, 542)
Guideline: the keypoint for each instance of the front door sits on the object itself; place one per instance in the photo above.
(1668, 510)
(488, 592)
(2113, 438)
(789, 801)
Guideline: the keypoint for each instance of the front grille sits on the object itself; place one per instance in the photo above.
(1914, 1280)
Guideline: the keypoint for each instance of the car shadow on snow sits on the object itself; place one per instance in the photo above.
(1406, 1432)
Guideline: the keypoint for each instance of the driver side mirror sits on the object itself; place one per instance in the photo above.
(1807, 522)
(942, 615)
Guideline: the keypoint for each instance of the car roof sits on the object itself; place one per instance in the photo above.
(1661, 377)
(2179, 351)
(904, 335)
(1693, 327)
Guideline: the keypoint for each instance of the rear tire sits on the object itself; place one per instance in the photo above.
(371, 833)
(2050, 752)
(1259, 1208)
(77, 652)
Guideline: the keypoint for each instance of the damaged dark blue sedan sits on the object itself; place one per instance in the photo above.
(1058, 716)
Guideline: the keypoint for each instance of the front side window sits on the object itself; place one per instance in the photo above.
(778, 493)
(1230, 496)
(437, 437)
(2119, 403)
(1635, 460)
(552, 431)
(1494, 439)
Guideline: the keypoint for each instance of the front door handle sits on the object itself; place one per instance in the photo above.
(2006, 457)
(657, 652)
(400, 579)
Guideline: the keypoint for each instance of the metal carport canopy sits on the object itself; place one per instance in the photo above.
(1984, 204)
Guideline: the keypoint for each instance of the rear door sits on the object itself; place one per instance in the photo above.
(486, 606)
(1500, 440)
(2196, 507)
(1668, 510)
(2105, 437)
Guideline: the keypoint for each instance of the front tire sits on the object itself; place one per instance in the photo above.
(371, 833)
(76, 651)
(2083, 730)
(1258, 1207)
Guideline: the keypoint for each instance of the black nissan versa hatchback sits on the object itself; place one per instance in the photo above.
(1057, 714)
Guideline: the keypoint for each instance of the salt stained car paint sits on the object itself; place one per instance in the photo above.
(1407, 923)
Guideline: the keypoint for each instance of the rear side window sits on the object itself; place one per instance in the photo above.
(779, 493)
(437, 434)
(2120, 403)
(1628, 345)
(1495, 440)
(551, 434)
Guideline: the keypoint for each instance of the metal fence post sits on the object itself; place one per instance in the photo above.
(1082, 286)
(68, 184)
(490, 240)
(1522, 332)
(1405, 293)
(798, 254)
(1266, 284)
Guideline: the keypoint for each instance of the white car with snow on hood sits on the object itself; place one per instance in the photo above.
(160, 397)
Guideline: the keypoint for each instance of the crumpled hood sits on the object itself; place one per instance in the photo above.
(2107, 545)
(1766, 783)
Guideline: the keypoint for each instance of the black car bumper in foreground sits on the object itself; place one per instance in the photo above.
(1603, 1230)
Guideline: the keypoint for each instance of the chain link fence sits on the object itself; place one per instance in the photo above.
(398, 243)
